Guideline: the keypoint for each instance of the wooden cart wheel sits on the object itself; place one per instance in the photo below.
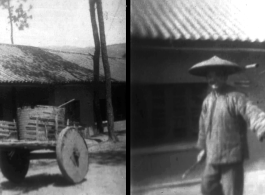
(14, 164)
(72, 155)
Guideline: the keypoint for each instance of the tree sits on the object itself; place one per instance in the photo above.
(106, 66)
(110, 115)
(96, 104)
(19, 17)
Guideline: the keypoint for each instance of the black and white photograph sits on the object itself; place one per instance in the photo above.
(62, 97)
(197, 78)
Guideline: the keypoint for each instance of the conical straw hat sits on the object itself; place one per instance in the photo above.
(214, 63)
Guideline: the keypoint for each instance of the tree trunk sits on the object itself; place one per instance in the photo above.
(96, 104)
(11, 23)
(105, 61)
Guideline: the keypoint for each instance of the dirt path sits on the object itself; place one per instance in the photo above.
(106, 175)
(253, 185)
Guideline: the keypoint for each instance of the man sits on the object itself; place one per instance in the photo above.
(225, 117)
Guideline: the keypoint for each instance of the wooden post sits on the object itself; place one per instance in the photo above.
(106, 66)
(96, 104)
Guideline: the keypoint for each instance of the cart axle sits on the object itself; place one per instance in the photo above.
(46, 155)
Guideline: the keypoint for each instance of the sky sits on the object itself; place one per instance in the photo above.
(65, 23)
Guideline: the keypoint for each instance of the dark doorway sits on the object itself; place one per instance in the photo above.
(72, 111)
(103, 109)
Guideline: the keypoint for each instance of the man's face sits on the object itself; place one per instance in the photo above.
(216, 79)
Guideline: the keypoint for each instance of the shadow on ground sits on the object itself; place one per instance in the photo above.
(37, 164)
(121, 132)
(142, 190)
(35, 182)
(108, 158)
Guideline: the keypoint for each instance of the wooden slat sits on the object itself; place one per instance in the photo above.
(45, 119)
(30, 138)
(34, 137)
(31, 128)
(39, 124)
(49, 128)
(7, 122)
(39, 133)
(42, 124)
(47, 112)
(27, 144)
(8, 126)
(30, 133)
(1, 129)
(4, 132)
(33, 118)
(35, 133)
(28, 124)
(42, 120)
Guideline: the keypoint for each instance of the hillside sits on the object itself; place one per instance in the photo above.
(77, 56)
(117, 50)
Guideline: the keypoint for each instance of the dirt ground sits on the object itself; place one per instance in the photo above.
(253, 185)
(106, 174)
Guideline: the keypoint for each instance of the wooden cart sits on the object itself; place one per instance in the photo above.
(68, 147)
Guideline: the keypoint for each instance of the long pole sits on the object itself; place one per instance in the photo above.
(106, 66)
(96, 104)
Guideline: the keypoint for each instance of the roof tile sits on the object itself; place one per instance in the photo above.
(198, 20)
(26, 64)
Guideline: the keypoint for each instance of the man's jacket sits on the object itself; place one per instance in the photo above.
(224, 120)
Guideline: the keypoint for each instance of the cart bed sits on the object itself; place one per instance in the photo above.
(27, 144)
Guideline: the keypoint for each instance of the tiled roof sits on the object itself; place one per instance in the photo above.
(241, 20)
(26, 64)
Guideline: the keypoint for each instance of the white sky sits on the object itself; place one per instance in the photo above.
(66, 22)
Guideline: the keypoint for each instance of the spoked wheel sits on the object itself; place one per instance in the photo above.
(14, 164)
(72, 155)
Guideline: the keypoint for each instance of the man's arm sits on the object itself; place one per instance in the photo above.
(254, 116)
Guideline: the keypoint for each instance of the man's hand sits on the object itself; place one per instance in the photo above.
(201, 156)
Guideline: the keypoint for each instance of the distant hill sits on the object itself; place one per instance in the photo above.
(116, 50)
(116, 53)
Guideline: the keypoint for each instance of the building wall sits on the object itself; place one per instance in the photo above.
(12, 97)
(171, 66)
(167, 112)
(6, 104)
(162, 67)
(84, 94)
(119, 101)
